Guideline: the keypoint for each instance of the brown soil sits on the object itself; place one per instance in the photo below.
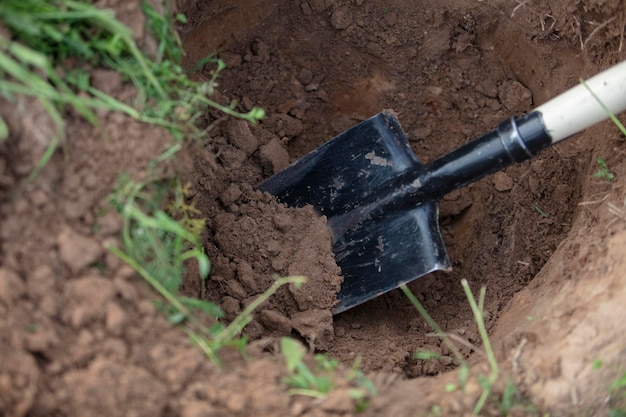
(79, 334)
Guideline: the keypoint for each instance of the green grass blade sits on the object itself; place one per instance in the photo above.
(606, 109)
(4, 130)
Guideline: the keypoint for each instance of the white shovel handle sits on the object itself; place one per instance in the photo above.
(577, 108)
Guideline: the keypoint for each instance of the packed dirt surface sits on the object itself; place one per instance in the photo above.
(80, 335)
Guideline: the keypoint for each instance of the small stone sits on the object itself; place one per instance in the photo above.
(245, 275)
(11, 287)
(288, 126)
(146, 308)
(254, 330)
(41, 339)
(273, 320)
(261, 51)
(230, 195)
(77, 251)
(515, 97)
(273, 247)
(230, 307)
(283, 222)
(236, 402)
(390, 19)
(125, 289)
(115, 319)
(305, 76)
(502, 182)
(85, 300)
(39, 198)
(316, 326)
(247, 103)
(273, 156)
(374, 49)
(238, 133)
(318, 5)
(279, 264)
(236, 290)
(306, 8)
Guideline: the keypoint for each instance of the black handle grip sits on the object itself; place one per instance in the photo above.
(515, 140)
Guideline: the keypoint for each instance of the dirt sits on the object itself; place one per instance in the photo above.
(80, 335)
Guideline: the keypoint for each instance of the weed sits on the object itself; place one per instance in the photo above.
(596, 364)
(450, 387)
(486, 382)
(540, 211)
(153, 237)
(507, 400)
(619, 385)
(318, 382)
(49, 35)
(617, 397)
(477, 310)
(612, 116)
(364, 390)
(302, 380)
(157, 243)
(617, 394)
(603, 171)
(425, 355)
(439, 332)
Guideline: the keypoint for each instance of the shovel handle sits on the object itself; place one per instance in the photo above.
(580, 107)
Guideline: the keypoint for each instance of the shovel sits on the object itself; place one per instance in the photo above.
(382, 203)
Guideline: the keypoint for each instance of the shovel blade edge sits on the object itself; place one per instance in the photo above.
(383, 253)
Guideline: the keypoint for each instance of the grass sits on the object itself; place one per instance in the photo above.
(321, 380)
(617, 396)
(540, 211)
(603, 171)
(47, 50)
(158, 244)
(506, 401)
(302, 380)
(54, 44)
(479, 313)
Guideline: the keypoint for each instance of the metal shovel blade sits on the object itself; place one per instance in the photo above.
(343, 179)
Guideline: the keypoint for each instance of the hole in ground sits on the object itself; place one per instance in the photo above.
(452, 72)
